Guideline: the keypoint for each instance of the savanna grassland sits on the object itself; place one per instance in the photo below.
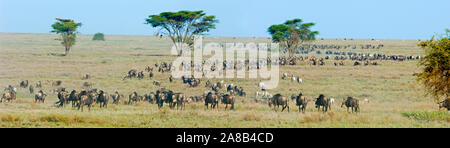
(396, 99)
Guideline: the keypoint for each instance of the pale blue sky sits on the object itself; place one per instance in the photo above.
(382, 19)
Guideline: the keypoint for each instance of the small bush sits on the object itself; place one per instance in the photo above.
(98, 37)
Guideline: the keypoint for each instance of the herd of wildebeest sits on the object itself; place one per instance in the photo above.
(218, 92)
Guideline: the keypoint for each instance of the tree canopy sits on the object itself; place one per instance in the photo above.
(182, 26)
(435, 73)
(98, 37)
(67, 28)
(292, 33)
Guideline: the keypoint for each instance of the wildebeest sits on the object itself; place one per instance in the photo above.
(212, 99)
(170, 98)
(131, 74)
(85, 77)
(160, 98)
(63, 96)
(103, 99)
(116, 97)
(133, 97)
(9, 95)
(445, 104)
(56, 83)
(156, 83)
(31, 89)
(150, 75)
(38, 84)
(74, 98)
(179, 100)
(323, 102)
(301, 102)
(152, 98)
(40, 96)
(351, 103)
(284, 76)
(228, 99)
(85, 99)
(24, 84)
(278, 100)
(140, 75)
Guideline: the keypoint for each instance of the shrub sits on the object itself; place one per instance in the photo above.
(98, 37)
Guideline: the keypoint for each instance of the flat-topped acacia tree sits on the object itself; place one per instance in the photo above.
(67, 28)
(292, 33)
(182, 26)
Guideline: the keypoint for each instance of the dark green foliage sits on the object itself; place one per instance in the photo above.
(98, 37)
(67, 29)
(292, 33)
(182, 26)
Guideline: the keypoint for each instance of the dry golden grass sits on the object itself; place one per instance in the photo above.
(396, 99)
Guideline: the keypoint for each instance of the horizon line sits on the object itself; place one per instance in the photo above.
(266, 37)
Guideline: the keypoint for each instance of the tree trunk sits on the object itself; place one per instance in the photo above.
(180, 53)
(67, 51)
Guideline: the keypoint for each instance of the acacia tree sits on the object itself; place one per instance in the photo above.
(435, 73)
(292, 33)
(182, 26)
(68, 30)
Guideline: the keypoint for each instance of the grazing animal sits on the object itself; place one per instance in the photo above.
(170, 98)
(351, 103)
(278, 100)
(24, 84)
(284, 76)
(445, 104)
(103, 99)
(38, 84)
(85, 100)
(74, 98)
(152, 98)
(212, 99)
(9, 95)
(323, 102)
(40, 96)
(331, 103)
(116, 97)
(160, 98)
(150, 75)
(228, 99)
(56, 83)
(156, 83)
(85, 77)
(140, 75)
(302, 101)
(131, 74)
(62, 96)
(180, 100)
(299, 80)
(133, 98)
(31, 89)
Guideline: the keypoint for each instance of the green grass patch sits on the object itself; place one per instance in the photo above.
(428, 115)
